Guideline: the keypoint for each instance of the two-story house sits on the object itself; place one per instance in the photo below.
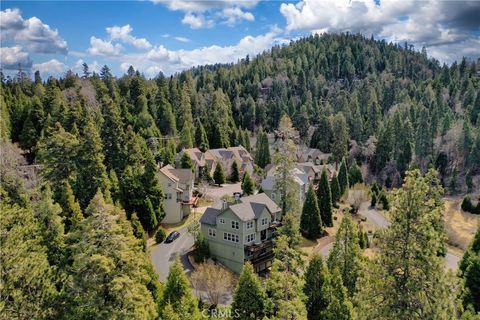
(300, 186)
(242, 231)
(177, 185)
(226, 156)
(198, 159)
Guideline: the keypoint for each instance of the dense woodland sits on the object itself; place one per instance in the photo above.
(74, 245)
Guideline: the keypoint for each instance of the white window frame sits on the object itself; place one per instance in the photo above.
(250, 224)
(235, 225)
(231, 237)
(212, 232)
(264, 221)
(221, 220)
(250, 237)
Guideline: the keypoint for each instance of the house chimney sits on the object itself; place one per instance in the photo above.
(224, 205)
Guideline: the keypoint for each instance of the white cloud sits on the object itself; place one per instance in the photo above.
(170, 61)
(197, 21)
(204, 14)
(182, 39)
(99, 47)
(123, 34)
(51, 68)
(234, 14)
(12, 57)
(31, 33)
(430, 23)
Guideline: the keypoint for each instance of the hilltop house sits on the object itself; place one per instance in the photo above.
(177, 185)
(300, 178)
(242, 231)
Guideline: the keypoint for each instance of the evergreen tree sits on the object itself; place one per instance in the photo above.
(186, 140)
(284, 161)
(343, 178)
(218, 175)
(235, 174)
(316, 277)
(248, 186)
(249, 298)
(48, 215)
(323, 135)
(354, 174)
(28, 280)
(113, 136)
(111, 281)
(246, 140)
(339, 306)
(324, 197)
(201, 139)
(408, 276)
(91, 172)
(339, 138)
(335, 189)
(310, 222)
(346, 255)
(178, 294)
(262, 153)
(70, 208)
(186, 162)
(469, 270)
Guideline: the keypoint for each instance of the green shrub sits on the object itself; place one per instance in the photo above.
(201, 252)
(160, 235)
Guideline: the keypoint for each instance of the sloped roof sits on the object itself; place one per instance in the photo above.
(196, 155)
(210, 216)
(166, 170)
(299, 176)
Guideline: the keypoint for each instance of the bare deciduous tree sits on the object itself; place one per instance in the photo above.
(212, 280)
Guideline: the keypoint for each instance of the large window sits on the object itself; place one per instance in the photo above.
(235, 225)
(264, 221)
(212, 232)
(231, 237)
(250, 237)
(250, 224)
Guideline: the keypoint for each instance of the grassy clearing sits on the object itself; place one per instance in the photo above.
(461, 226)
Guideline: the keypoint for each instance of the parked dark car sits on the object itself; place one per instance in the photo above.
(172, 236)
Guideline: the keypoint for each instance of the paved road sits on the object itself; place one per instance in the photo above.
(373, 216)
(216, 193)
(164, 254)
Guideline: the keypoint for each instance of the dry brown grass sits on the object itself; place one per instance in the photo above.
(460, 226)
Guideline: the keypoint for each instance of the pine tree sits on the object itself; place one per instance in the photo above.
(354, 174)
(112, 281)
(201, 139)
(235, 174)
(113, 135)
(324, 197)
(469, 270)
(343, 178)
(249, 298)
(335, 189)
(316, 277)
(186, 162)
(262, 153)
(178, 293)
(28, 280)
(339, 306)
(218, 175)
(186, 140)
(284, 161)
(345, 254)
(310, 221)
(248, 187)
(340, 138)
(92, 174)
(413, 283)
(246, 140)
(70, 207)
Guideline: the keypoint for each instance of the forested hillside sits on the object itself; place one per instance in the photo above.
(74, 245)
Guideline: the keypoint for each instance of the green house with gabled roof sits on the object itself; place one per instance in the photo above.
(242, 231)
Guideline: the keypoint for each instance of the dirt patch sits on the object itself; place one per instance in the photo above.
(461, 226)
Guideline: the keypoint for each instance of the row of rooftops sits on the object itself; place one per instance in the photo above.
(245, 208)
(222, 154)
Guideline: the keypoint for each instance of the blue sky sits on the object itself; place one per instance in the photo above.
(169, 36)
